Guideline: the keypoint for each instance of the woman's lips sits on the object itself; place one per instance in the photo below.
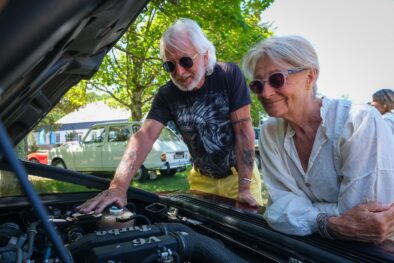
(272, 101)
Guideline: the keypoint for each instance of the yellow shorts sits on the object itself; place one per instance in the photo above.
(227, 187)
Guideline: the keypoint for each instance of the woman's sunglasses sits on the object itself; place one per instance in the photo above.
(185, 62)
(276, 80)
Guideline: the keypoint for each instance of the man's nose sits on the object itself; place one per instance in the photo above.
(179, 69)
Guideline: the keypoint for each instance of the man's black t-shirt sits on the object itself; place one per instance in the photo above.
(203, 116)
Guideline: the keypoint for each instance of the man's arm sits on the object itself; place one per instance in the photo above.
(136, 151)
(244, 149)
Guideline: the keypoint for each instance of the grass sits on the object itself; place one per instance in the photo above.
(164, 183)
(160, 184)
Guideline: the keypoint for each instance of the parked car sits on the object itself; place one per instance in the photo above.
(46, 47)
(40, 156)
(103, 145)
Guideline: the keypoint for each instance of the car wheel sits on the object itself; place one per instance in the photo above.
(34, 160)
(59, 163)
(141, 175)
(170, 172)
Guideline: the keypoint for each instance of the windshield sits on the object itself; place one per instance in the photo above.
(99, 153)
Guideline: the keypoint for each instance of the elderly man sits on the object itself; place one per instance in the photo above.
(210, 104)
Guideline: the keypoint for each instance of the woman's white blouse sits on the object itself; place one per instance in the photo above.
(389, 118)
(355, 168)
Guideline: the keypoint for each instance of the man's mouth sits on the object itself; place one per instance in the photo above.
(183, 78)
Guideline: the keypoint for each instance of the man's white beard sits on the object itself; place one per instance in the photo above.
(200, 74)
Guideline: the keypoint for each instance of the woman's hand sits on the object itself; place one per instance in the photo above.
(370, 222)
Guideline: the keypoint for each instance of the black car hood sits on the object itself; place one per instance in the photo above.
(47, 46)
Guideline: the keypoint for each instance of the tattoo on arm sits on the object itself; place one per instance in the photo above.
(248, 158)
(127, 163)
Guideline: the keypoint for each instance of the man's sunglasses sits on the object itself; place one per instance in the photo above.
(185, 62)
(276, 80)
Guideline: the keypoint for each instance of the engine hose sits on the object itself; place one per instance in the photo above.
(19, 255)
(47, 253)
(32, 232)
(199, 248)
(19, 251)
(174, 227)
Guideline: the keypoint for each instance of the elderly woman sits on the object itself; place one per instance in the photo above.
(328, 166)
(383, 101)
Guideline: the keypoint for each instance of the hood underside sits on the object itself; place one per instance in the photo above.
(46, 47)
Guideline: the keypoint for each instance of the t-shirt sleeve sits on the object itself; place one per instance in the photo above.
(159, 110)
(238, 89)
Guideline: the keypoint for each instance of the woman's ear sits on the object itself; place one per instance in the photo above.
(311, 78)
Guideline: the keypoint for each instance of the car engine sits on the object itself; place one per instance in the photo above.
(115, 235)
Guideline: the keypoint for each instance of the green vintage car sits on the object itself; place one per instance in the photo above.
(103, 145)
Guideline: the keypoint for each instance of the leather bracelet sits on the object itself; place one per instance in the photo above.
(322, 221)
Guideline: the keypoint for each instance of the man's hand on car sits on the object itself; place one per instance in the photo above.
(104, 199)
(245, 196)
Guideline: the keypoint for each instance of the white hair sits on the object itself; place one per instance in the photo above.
(200, 42)
(283, 51)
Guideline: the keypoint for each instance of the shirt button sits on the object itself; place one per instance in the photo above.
(308, 184)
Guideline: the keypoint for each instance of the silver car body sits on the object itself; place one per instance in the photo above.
(103, 145)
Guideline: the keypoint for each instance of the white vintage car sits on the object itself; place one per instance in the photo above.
(103, 145)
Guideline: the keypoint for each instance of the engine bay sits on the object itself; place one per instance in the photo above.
(115, 235)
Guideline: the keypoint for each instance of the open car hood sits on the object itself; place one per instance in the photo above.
(48, 46)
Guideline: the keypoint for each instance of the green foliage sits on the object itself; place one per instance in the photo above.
(131, 72)
(256, 111)
(71, 136)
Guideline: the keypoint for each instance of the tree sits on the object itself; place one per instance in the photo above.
(131, 72)
(71, 136)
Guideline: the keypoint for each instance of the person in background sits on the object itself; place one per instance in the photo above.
(327, 164)
(209, 102)
(383, 101)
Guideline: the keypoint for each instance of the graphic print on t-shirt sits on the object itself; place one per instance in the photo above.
(204, 122)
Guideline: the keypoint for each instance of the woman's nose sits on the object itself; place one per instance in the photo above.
(267, 90)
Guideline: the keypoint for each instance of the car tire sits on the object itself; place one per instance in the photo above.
(59, 163)
(170, 172)
(34, 160)
(141, 175)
